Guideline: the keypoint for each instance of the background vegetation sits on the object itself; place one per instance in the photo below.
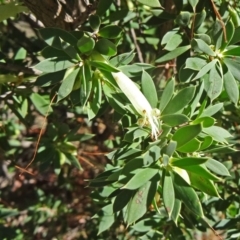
(77, 161)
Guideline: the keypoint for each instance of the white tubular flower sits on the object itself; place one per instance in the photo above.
(139, 102)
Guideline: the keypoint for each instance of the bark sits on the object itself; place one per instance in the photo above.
(65, 14)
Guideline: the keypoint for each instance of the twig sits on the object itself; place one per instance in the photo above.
(220, 20)
(39, 136)
(140, 57)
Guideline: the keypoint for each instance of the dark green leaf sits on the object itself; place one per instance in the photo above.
(191, 146)
(195, 63)
(54, 64)
(188, 161)
(231, 87)
(49, 79)
(103, 6)
(213, 83)
(174, 119)
(185, 134)
(176, 210)
(68, 83)
(85, 44)
(110, 31)
(233, 66)
(41, 103)
(150, 3)
(217, 167)
(140, 202)
(167, 94)
(141, 178)
(205, 69)
(180, 101)
(199, 45)
(95, 22)
(217, 133)
(50, 34)
(186, 194)
(106, 47)
(203, 184)
(168, 193)
(149, 89)
(173, 54)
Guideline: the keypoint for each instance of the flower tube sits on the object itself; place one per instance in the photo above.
(139, 102)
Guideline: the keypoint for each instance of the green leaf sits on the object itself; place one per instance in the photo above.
(185, 134)
(217, 167)
(180, 101)
(49, 79)
(195, 63)
(85, 44)
(86, 77)
(183, 19)
(149, 89)
(217, 133)
(95, 22)
(67, 83)
(200, 46)
(176, 210)
(54, 64)
(206, 38)
(206, 143)
(122, 59)
(212, 109)
(168, 193)
(173, 54)
(73, 160)
(49, 35)
(196, 100)
(206, 121)
(186, 194)
(103, 6)
(174, 119)
(171, 147)
(213, 83)
(104, 66)
(122, 199)
(193, 3)
(235, 51)
(150, 3)
(185, 74)
(96, 99)
(205, 69)
(138, 206)
(50, 52)
(190, 147)
(11, 9)
(188, 161)
(203, 184)
(41, 103)
(199, 20)
(110, 31)
(107, 219)
(167, 94)
(229, 32)
(236, 36)
(202, 171)
(143, 176)
(231, 87)
(233, 66)
(106, 47)
(152, 155)
(173, 42)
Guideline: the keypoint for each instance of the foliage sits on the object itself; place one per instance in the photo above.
(172, 117)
